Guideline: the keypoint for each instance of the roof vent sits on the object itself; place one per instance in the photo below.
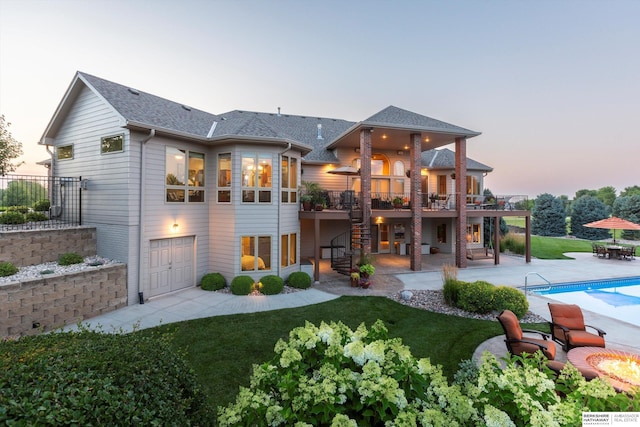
(278, 111)
(134, 91)
(320, 131)
(186, 107)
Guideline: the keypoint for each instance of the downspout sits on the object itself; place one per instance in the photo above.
(51, 172)
(141, 207)
(279, 209)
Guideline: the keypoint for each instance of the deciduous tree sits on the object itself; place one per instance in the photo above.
(10, 149)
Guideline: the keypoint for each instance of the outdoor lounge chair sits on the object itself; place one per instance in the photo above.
(517, 343)
(568, 327)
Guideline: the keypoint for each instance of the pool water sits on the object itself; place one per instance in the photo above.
(616, 298)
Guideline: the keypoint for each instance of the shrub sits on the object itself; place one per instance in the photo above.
(7, 269)
(476, 297)
(41, 205)
(330, 375)
(90, 378)
(271, 285)
(36, 216)
(12, 217)
(22, 209)
(514, 243)
(451, 291)
(299, 280)
(242, 285)
(70, 258)
(213, 282)
(508, 298)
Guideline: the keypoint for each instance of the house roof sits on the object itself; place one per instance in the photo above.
(316, 137)
(446, 159)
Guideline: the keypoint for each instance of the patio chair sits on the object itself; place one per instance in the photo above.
(517, 343)
(568, 327)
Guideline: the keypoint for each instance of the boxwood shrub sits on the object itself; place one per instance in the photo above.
(70, 258)
(508, 298)
(7, 269)
(242, 285)
(41, 205)
(299, 279)
(36, 216)
(213, 282)
(476, 297)
(22, 209)
(87, 378)
(271, 285)
(12, 217)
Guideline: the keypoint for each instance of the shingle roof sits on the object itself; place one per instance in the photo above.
(397, 117)
(446, 159)
(142, 107)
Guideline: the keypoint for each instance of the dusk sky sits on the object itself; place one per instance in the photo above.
(554, 86)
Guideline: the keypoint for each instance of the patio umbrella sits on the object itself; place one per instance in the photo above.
(347, 171)
(613, 223)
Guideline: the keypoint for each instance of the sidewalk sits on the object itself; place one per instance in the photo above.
(194, 303)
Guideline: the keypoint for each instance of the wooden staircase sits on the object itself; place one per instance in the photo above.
(348, 245)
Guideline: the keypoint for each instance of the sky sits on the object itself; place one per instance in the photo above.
(554, 86)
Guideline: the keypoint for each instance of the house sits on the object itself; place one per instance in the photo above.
(177, 192)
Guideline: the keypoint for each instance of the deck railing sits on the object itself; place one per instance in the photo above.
(36, 202)
(344, 200)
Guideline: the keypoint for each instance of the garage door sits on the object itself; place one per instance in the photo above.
(171, 265)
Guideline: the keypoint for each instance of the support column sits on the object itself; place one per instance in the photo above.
(316, 245)
(527, 238)
(496, 240)
(461, 203)
(416, 202)
(365, 182)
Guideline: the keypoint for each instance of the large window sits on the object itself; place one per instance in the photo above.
(256, 253)
(473, 233)
(224, 178)
(112, 144)
(64, 152)
(288, 249)
(184, 176)
(289, 180)
(256, 177)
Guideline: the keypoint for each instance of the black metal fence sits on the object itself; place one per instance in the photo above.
(36, 202)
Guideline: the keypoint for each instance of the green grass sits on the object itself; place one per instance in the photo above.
(516, 221)
(222, 349)
(555, 247)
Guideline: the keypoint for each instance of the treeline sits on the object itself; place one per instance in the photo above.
(549, 213)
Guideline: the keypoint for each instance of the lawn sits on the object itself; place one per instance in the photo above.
(555, 247)
(222, 349)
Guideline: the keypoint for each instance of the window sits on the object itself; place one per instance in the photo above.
(65, 152)
(256, 177)
(256, 253)
(184, 179)
(288, 249)
(398, 168)
(112, 144)
(289, 180)
(473, 233)
(224, 178)
(442, 184)
(441, 233)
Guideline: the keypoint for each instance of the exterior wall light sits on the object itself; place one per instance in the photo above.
(175, 227)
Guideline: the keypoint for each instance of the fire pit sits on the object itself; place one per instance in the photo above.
(620, 368)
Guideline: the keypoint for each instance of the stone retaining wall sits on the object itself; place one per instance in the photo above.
(33, 247)
(53, 301)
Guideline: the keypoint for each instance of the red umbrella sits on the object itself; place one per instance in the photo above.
(613, 223)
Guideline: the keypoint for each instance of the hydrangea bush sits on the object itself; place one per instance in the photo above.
(332, 375)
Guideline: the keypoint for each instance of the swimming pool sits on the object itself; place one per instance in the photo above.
(616, 298)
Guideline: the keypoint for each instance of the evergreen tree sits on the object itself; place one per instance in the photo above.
(585, 210)
(548, 216)
(628, 207)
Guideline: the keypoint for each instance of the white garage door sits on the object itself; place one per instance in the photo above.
(171, 265)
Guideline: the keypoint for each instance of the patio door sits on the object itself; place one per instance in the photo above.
(170, 265)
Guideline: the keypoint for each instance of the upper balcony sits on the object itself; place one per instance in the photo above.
(399, 205)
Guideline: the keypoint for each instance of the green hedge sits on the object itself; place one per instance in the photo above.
(88, 378)
(271, 285)
(213, 282)
(299, 280)
(242, 285)
(476, 297)
(508, 298)
(12, 217)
